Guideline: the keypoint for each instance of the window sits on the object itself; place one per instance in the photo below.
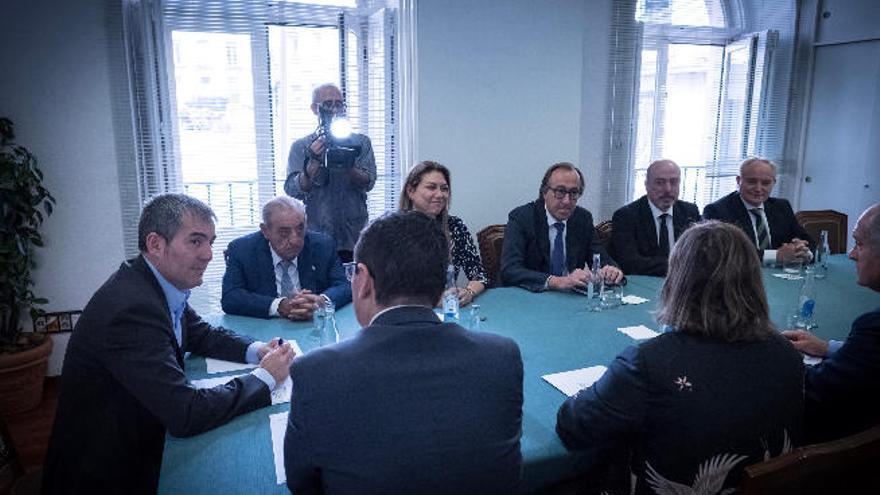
(221, 90)
(698, 95)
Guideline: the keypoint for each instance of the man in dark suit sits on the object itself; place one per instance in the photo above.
(532, 258)
(283, 270)
(645, 230)
(769, 221)
(123, 380)
(410, 404)
(843, 391)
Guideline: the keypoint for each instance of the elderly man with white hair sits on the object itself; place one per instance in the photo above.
(284, 269)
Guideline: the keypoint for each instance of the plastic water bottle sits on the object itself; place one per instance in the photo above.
(822, 253)
(593, 299)
(329, 333)
(450, 297)
(807, 303)
(476, 318)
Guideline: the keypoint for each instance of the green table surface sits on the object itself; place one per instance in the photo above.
(555, 332)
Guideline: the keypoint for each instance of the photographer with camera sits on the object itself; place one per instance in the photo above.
(331, 170)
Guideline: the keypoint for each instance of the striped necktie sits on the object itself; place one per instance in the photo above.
(286, 282)
(761, 229)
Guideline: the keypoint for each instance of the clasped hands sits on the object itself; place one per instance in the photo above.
(299, 305)
(796, 249)
(580, 277)
(807, 342)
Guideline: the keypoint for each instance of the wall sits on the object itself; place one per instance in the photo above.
(56, 88)
(500, 97)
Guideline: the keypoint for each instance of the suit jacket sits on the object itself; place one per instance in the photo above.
(525, 255)
(780, 217)
(123, 386)
(634, 236)
(676, 404)
(409, 405)
(249, 282)
(843, 391)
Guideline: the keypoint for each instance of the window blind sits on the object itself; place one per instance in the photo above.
(702, 82)
(222, 88)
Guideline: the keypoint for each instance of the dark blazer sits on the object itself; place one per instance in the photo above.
(249, 282)
(780, 217)
(525, 255)
(681, 402)
(409, 405)
(634, 236)
(123, 386)
(843, 391)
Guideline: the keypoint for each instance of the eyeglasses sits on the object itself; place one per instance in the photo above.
(561, 192)
(330, 105)
(351, 268)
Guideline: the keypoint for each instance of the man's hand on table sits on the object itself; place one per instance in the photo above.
(277, 358)
(807, 342)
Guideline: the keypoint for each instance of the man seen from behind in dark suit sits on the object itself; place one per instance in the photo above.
(843, 391)
(409, 404)
(645, 230)
(123, 381)
(284, 269)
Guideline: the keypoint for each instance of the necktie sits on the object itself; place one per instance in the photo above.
(664, 235)
(761, 229)
(557, 260)
(286, 282)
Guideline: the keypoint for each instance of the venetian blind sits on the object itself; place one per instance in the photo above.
(705, 83)
(222, 88)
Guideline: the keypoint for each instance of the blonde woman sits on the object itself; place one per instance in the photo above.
(428, 190)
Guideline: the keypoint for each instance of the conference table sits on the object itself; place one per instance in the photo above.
(555, 331)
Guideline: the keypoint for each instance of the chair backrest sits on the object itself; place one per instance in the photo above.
(604, 230)
(833, 221)
(847, 465)
(490, 240)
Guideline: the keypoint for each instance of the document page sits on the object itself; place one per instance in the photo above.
(571, 382)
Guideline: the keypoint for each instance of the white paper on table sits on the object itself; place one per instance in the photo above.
(811, 360)
(788, 276)
(280, 395)
(639, 332)
(572, 382)
(631, 299)
(278, 426)
(220, 366)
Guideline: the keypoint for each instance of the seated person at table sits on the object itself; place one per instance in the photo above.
(843, 391)
(695, 405)
(549, 243)
(283, 270)
(124, 382)
(428, 189)
(769, 222)
(645, 230)
(409, 404)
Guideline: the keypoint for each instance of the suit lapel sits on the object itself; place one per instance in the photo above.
(745, 221)
(646, 218)
(305, 266)
(542, 234)
(140, 266)
(265, 267)
(680, 219)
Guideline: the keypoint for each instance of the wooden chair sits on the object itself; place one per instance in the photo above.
(490, 240)
(604, 230)
(840, 466)
(833, 221)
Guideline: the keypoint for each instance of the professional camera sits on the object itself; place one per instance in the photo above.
(339, 147)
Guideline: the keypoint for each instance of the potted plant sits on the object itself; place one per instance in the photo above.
(23, 202)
